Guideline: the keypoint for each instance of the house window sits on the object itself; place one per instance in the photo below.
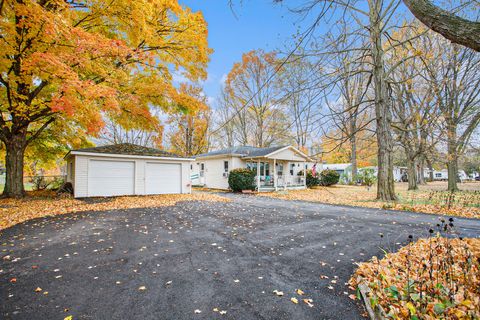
(292, 168)
(438, 175)
(191, 167)
(225, 166)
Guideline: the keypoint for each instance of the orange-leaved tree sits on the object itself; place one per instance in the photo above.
(79, 62)
(189, 128)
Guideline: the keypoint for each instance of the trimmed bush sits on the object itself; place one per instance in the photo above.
(241, 179)
(312, 180)
(329, 177)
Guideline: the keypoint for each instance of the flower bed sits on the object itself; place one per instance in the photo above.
(434, 278)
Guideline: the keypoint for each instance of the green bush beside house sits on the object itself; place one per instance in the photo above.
(241, 179)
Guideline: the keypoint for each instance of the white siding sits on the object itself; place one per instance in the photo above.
(287, 154)
(140, 176)
(81, 177)
(80, 174)
(214, 171)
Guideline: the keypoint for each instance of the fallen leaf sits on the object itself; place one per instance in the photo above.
(278, 293)
(294, 300)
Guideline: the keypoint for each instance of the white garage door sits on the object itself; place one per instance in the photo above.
(161, 178)
(110, 178)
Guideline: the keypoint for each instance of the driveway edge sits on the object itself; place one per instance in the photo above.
(376, 313)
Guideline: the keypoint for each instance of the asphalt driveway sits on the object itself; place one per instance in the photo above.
(198, 260)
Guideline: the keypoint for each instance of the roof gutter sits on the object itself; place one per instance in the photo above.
(115, 155)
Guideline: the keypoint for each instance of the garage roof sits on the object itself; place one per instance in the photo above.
(128, 149)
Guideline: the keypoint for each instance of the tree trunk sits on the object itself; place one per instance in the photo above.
(449, 25)
(430, 170)
(14, 159)
(452, 158)
(353, 145)
(420, 171)
(412, 173)
(385, 181)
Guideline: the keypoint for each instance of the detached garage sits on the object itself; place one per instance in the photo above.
(126, 169)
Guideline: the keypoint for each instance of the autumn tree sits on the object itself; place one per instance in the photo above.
(114, 133)
(415, 110)
(350, 115)
(253, 93)
(301, 95)
(452, 71)
(338, 150)
(370, 22)
(79, 62)
(189, 127)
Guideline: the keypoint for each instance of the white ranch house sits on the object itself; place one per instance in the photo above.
(277, 168)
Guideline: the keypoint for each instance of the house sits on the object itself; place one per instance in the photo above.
(343, 169)
(442, 175)
(276, 167)
(126, 169)
(398, 172)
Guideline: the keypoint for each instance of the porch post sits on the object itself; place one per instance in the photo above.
(304, 174)
(275, 174)
(258, 175)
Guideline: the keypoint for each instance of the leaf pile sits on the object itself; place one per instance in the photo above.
(43, 204)
(429, 279)
(429, 199)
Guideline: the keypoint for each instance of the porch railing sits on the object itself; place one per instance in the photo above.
(282, 181)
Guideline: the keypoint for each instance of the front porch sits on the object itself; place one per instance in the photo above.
(275, 175)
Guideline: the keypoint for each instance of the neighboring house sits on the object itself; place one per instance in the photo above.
(276, 167)
(343, 169)
(126, 169)
(398, 172)
(442, 175)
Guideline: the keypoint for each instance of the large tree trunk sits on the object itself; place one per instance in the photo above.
(412, 173)
(452, 27)
(14, 159)
(385, 181)
(452, 158)
(430, 170)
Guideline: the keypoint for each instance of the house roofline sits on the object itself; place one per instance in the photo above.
(294, 149)
(117, 155)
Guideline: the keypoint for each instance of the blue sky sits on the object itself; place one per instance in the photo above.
(254, 24)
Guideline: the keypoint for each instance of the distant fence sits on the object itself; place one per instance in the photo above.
(38, 182)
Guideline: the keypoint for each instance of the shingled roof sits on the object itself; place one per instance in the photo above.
(242, 151)
(129, 149)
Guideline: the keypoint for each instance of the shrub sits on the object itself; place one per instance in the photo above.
(241, 179)
(39, 183)
(366, 177)
(57, 183)
(329, 177)
(312, 180)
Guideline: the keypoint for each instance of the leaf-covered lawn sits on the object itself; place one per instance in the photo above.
(42, 204)
(435, 278)
(429, 199)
